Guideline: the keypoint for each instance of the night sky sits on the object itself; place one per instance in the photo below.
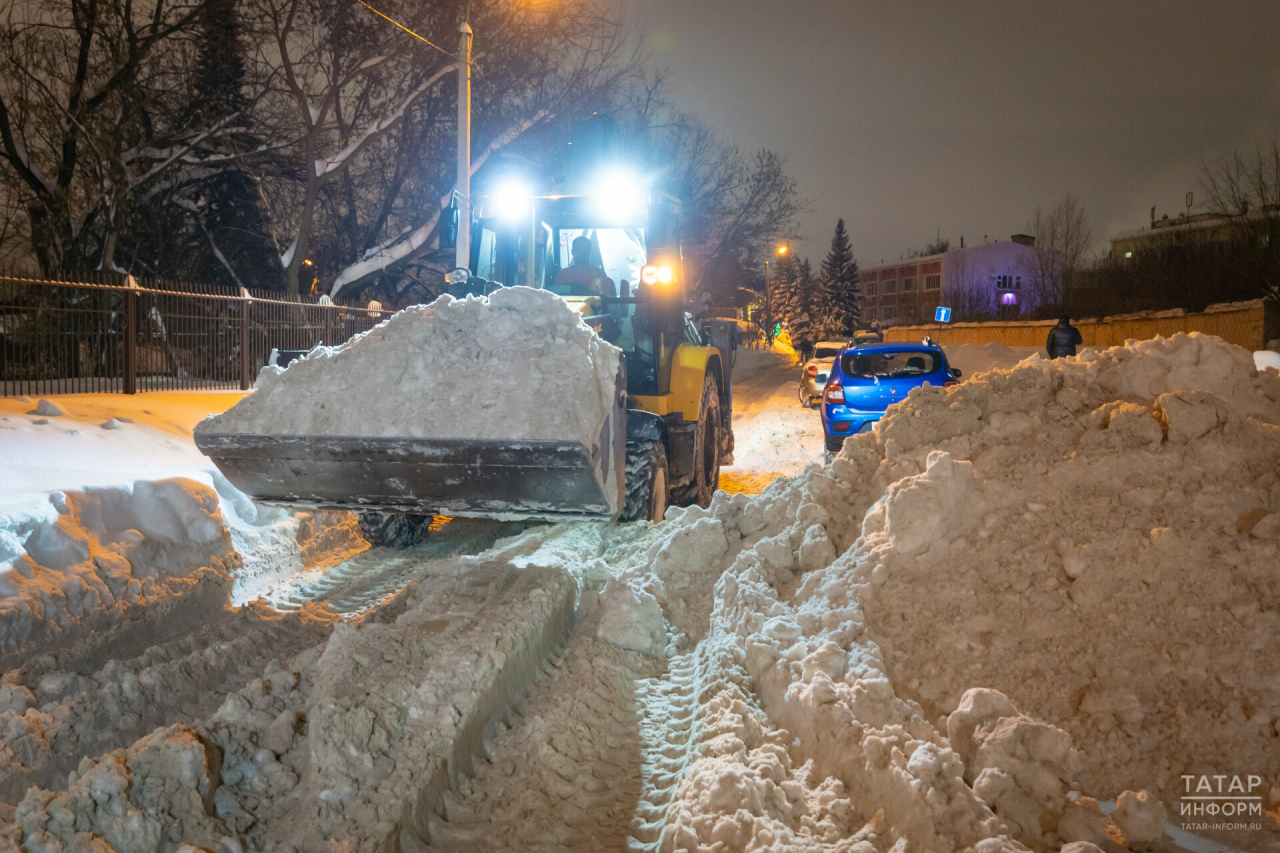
(908, 118)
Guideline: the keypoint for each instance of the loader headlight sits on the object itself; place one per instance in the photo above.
(511, 200)
(657, 275)
(619, 195)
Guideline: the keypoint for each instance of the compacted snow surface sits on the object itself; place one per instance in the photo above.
(1048, 588)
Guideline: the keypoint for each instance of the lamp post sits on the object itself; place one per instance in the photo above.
(768, 299)
(462, 251)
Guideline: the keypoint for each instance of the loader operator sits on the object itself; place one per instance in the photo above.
(581, 278)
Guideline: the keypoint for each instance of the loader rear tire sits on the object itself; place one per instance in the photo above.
(646, 498)
(706, 450)
(394, 529)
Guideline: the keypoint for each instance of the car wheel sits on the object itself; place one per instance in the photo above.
(834, 443)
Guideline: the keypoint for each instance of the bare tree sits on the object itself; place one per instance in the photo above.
(370, 112)
(968, 294)
(90, 99)
(1245, 192)
(736, 205)
(1062, 239)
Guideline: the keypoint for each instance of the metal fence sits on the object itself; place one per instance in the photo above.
(60, 337)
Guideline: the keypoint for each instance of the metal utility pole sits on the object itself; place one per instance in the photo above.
(462, 256)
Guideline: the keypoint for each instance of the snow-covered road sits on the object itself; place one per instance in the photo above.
(774, 436)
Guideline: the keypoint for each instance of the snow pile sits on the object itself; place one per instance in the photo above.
(1097, 539)
(156, 793)
(519, 364)
(1093, 538)
(153, 442)
(111, 561)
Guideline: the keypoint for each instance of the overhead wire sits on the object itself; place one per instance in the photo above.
(407, 30)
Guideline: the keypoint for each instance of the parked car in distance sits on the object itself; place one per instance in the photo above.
(813, 376)
(866, 379)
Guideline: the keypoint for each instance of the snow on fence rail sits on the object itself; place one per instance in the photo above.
(76, 337)
(1249, 324)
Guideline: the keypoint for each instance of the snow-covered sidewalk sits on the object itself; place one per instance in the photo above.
(102, 440)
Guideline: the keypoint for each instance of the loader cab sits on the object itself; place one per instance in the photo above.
(638, 248)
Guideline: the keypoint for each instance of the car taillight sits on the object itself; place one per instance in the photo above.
(834, 393)
(813, 370)
(949, 383)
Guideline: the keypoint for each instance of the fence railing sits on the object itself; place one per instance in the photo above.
(78, 337)
(1247, 324)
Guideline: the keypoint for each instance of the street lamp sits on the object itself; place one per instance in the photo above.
(462, 249)
(781, 250)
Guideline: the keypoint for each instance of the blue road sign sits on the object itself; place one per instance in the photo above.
(942, 315)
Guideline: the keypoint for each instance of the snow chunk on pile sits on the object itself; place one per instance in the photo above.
(111, 562)
(519, 364)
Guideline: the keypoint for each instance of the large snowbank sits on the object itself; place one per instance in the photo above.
(519, 364)
(1091, 536)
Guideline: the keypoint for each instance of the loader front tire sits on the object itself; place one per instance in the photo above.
(706, 450)
(394, 529)
(646, 495)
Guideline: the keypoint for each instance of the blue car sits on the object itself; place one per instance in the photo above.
(868, 378)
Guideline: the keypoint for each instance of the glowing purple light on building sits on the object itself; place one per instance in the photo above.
(1008, 299)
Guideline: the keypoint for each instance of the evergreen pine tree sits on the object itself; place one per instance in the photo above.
(803, 327)
(782, 288)
(229, 210)
(839, 296)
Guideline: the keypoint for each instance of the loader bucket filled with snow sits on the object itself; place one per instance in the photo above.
(504, 407)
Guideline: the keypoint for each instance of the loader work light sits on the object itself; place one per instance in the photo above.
(654, 275)
(511, 201)
(619, 195)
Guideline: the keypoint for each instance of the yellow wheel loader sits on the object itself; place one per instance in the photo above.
(670, 432)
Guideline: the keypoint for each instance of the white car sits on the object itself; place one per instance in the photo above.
(814, 376)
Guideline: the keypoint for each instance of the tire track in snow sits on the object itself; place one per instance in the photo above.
(666, 723)
(358, 585)
(564, 773)
(183, 680)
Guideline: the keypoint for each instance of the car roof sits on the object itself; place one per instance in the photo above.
(896, 346)
(832, 343)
